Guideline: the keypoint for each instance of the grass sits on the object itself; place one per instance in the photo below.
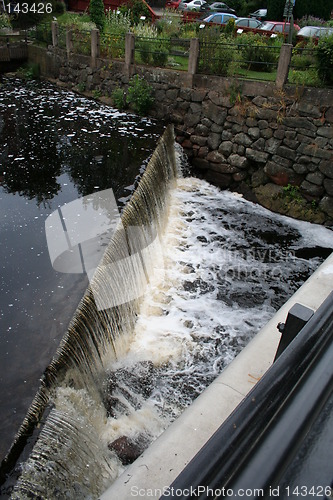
(256, 75)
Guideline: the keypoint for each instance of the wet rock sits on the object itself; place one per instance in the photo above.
(131, 383)
(215, 113)
(256, 156)
(311, 189)
(242, 139)
(326, 205)
(201, 130)
(282, 176)
(127, 449)
(328, 185)
(214, 140)
(316, 178)
(272, 145)
(326, 167)
(198, 139)
(237, 161)
(215, 157)
(225, 148)
(299, 122)
(254, 133)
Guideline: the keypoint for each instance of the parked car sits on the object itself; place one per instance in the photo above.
(209, 7)
(275, 28)
(218, 18)
(247, 22)
(259, 14)
(314, 32)
(194, 5)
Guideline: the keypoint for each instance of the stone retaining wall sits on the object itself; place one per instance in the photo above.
(275, 146)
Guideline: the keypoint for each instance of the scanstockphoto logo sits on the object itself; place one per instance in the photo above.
(255, 264)
(77, 234)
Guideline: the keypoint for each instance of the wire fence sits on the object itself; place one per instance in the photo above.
(228, 59)
(162, 52)
(218, 55)
(112, 46)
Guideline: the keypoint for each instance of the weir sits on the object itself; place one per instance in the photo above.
(94, 336)
(127, 371)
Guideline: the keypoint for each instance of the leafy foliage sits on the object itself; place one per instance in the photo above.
(137, 9)
(139, 95)
(4, 21)
(117, 22)
(119, 98)
(317, 8)
(259, 53)
(275, 9)
(96, 9)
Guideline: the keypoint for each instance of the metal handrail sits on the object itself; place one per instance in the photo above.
(271, 420)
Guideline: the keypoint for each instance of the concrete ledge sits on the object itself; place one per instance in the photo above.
(162, 462)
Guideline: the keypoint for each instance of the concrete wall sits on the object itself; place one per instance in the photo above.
(243, 135)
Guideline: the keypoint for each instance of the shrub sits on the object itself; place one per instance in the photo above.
(324, 55)
(139, 95)
(145, 49)
(258, 53)
(4, 21)
(117, 22)
(310, 21)
(136, 9)
(169, 25)
(59, 7)
(96, 10)
(308, 77)
(303, 57)
(160, 53)
(230, 27)
(119, 98)
(29, 71)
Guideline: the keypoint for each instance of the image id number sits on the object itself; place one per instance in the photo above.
(25, 8)
(309, 491)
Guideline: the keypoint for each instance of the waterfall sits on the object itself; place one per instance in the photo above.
(68, 453)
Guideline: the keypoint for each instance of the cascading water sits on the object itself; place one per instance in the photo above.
(123, 373)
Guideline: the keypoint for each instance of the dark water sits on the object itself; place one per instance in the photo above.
(55, 146)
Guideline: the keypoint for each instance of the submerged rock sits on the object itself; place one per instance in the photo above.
(127, 449)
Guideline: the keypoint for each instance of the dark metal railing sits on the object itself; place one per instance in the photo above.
(257, 442)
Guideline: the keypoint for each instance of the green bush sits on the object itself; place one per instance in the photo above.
(303, 57)
(117, 22)
(4, 21)
(30, 71)
(139, 95)
(119, 98)
(59, 7)
(308, 78)
(324, 55)
(258, 53)
(160, 53)
(96, 10)
(136, 9)
(144, 47)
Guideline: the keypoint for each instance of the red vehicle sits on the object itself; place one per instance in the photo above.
(172, 4)
(276, 28)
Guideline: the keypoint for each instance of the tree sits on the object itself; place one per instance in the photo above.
(317, 8)
(275, 9)
(97, 15)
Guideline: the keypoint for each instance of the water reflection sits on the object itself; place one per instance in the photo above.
(54, 147)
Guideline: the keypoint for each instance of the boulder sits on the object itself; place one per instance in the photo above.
(129, 449)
